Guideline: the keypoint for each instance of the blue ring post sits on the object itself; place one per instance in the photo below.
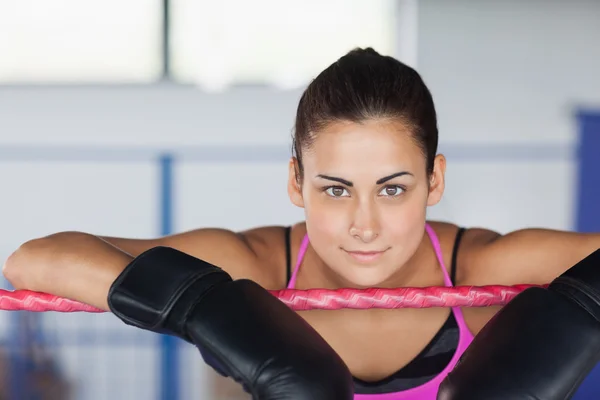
(169, 362)
(588, 200)
(588, 210)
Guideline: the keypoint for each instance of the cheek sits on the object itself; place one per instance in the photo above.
(407, 219)
(324, 218)
(406, 225)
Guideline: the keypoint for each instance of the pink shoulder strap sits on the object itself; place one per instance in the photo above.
(301, 253)
(435, 241)
(465, 334)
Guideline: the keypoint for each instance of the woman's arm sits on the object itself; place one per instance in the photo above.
(82, 266)
(74, 265)
(534, 256)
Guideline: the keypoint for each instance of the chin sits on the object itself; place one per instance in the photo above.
(367, 278)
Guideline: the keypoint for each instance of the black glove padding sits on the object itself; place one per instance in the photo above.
(541, 345)
(241, 329)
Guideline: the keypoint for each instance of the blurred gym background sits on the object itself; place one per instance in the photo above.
(141, 118)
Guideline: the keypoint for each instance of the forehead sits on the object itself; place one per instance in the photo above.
(385, 144)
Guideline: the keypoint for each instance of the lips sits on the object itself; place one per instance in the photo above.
(365, 256)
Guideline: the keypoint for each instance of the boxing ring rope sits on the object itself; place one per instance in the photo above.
(313, 299)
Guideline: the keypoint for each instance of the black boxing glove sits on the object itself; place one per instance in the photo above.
(242, 330)
(541, 345)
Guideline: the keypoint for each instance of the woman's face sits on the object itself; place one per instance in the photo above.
(365, 191)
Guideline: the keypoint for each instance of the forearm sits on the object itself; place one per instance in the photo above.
(133, 247)
(557, 250)
(74, 265)
(533, 255)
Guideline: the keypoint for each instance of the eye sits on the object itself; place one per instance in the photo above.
(392, 191)
(336, 191)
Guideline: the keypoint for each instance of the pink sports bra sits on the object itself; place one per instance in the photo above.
(423, 384)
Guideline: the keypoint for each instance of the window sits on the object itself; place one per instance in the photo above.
(285, 43)
(80, 41)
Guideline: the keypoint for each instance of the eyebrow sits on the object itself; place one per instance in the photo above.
(350, 184)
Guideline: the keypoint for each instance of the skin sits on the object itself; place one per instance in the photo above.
(341, 218)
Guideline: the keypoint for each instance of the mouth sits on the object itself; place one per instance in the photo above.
(365, 256)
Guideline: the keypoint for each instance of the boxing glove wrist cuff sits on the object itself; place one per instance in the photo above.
(158, 289)
(581, 284)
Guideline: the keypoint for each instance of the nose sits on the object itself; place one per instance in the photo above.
(365, 226)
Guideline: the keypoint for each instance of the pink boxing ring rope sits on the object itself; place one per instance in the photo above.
(313, 299)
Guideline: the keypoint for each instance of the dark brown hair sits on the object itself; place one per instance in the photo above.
(362, 85)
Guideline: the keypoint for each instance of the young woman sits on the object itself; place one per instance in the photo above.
(365, 169)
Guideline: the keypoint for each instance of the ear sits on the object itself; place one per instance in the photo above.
(294, 187)
(437, 182)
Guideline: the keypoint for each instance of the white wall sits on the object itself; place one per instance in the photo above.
(158, 115)
(505, 74)
(511, 73)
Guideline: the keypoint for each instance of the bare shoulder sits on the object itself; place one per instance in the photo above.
(473, 236)
(268, 244)
(254, 254)
(473, 240)
(530, 255)
(475, 243)
(257, 253)
(525, 256)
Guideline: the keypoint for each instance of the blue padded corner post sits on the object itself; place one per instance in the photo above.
(588, 209)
